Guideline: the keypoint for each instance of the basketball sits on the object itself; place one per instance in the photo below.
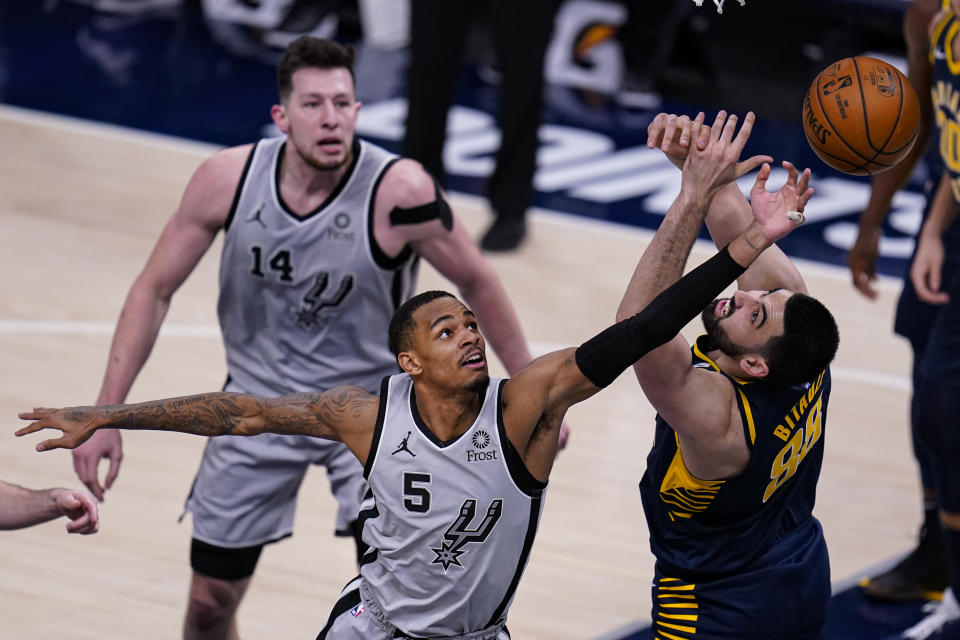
(861, 115)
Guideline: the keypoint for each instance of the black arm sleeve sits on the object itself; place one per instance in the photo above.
(609, 353)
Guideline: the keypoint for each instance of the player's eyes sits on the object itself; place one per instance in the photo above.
(754, 316)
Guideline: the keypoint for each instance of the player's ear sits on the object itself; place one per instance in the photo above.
(279, 115)
(410, 363)
(754, 365)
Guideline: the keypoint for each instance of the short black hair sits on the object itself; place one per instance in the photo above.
(306, 53)
(808, 344)
(401, 324)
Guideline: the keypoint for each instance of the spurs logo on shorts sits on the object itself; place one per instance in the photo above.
(458, 535)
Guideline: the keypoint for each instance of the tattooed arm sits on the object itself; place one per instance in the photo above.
(347, 414)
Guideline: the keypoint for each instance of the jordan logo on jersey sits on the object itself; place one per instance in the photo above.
(458, 535)
(403, 446)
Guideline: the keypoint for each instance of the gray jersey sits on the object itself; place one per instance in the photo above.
(450, 524)
(305, 302)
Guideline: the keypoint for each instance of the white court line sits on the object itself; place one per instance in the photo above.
(173, 330)
(54, 327)
(559, 218)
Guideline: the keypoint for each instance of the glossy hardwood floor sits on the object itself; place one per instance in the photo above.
(80, 208)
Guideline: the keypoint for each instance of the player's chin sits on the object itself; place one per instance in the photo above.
(478, 381)
(328, 162)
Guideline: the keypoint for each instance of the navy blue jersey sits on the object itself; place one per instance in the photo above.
(711, 528)
(945, 93)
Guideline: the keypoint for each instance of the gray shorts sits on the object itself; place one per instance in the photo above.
(245, 492)
(352, 619)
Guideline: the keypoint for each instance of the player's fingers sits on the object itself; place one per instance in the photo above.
(750, 164)
(669, 130)
(114, 470)
(792, 173)
(745, 129)
(803, 185)
(38, 413)
(33, 427)
(864, 283)
(717, 127)
(89, 476)
(53, 443)
(726, 134)
(89, 506)
(804, 198)
(686, 124)
(655, 129)
(703, 137)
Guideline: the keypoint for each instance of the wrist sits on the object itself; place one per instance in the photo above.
(745, 248)
(693, 199)
(52, 501)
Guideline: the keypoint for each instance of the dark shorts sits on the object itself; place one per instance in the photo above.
(784, 596)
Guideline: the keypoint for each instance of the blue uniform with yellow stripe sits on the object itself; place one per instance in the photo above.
(940, 366)
(742, 557)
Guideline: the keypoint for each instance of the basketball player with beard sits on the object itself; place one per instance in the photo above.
(741, 420)
(458, 463)
(322, 238)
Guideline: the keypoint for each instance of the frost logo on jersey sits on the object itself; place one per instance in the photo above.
(481, 440)
(458, 535)
(308, 315)
(341, 222)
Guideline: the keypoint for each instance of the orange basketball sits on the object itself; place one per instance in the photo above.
(861, 115)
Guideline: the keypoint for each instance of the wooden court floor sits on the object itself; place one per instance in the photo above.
(80, 208)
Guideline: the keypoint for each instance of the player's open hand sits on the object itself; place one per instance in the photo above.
(76, 423)
(779, 212)
(714, 157)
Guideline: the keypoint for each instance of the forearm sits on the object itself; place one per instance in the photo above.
(608, 354)
(21, 507)
(729, 217)
(223, 413)
(133, 340)
(488, 300)
(882, 190)
(943, 211)
(663, 261)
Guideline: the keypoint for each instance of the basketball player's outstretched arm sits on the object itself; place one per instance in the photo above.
(862, 258)
(20, 507)
(555, 381)
(688, 398)
(730, 212)
(186, 237)
(347, 414)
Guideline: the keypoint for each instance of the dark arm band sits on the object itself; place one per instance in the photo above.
(609, 353)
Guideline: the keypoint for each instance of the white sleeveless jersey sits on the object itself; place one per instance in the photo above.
(450, 524)
(305, 302)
